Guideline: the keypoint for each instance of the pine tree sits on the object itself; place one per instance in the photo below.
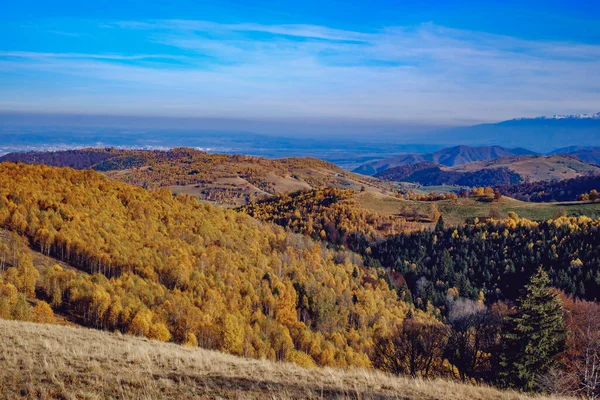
(533, 335)
(439, 226)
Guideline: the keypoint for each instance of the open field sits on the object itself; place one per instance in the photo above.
(50, 361)
(457, 211)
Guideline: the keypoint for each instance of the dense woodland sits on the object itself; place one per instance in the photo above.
(472, 279)
(452, 302)
(172, 268)
(327, 214)
(482, 260)
(429, 174)
(545, 191)
(494, 260)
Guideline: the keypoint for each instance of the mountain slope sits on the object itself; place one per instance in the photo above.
(82, 363)
(171, 268)
(572, 149)
(589, 155)
(225, 179)
(449, 157)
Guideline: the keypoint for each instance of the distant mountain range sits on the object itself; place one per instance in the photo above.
(485, 166)
(571, 116)
(542, 134)
(449, 157)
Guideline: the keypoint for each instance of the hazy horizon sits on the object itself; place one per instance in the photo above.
(277, 67)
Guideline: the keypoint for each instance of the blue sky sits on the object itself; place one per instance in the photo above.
(417, 62)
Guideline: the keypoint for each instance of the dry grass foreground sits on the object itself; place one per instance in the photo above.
(50, 361)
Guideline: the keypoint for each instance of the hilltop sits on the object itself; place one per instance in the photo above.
(221, 178)
(83, 363)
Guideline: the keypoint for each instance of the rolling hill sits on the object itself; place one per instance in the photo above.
(434, 175)
(536, 167)
(500, 171)
(449, 157)
(220, 178)
(147, 263)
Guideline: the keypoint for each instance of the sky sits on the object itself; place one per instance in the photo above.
(336, 63)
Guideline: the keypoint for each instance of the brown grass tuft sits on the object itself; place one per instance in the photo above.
(60, 362)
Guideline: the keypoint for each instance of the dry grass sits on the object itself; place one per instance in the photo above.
(47, 361)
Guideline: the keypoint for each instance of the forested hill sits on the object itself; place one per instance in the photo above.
(220, 178)
(328, 214)
(534, 168)
(495, 260)
(487, 261)
(546, 191)
(170, 268)
(428, 174)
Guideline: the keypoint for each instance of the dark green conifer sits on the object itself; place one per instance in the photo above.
(440, 224)
(533, 336)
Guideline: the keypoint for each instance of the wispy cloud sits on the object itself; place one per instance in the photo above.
(114, 57)
(424, 72)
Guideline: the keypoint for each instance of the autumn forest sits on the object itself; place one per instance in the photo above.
(302, 262)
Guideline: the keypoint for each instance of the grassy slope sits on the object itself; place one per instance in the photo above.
(456, 211)
(49, 361)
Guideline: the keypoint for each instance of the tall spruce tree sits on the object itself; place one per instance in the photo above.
(439, 226)
(532, 336)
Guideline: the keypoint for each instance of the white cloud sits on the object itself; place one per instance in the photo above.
(422, 73)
